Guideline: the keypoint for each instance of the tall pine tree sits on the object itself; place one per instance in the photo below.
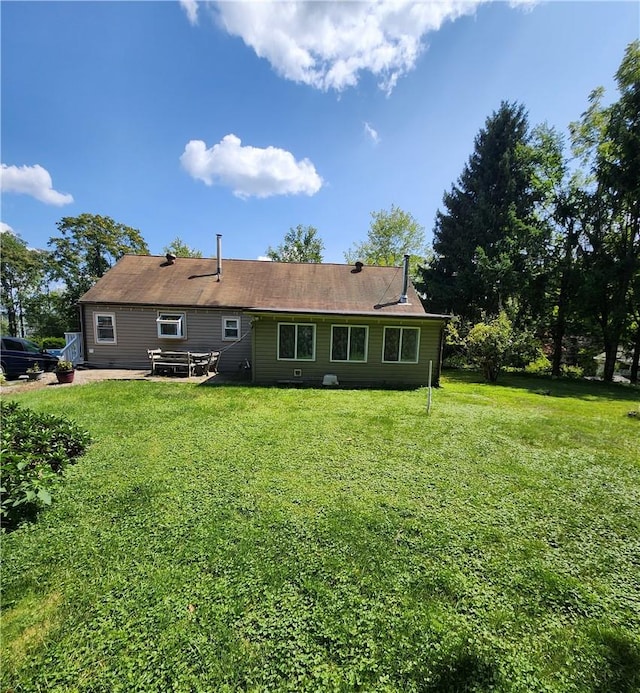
(487, 241)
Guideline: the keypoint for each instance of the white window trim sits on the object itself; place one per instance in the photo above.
(181, 322)
(296, 325)
(224, 328)
(100, 314)
(366, 344)
(402, 328)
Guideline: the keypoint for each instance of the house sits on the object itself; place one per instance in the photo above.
(292, 322)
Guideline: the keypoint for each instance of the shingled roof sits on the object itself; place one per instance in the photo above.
(255, 285)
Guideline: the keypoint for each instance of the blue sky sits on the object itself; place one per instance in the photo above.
(247, 119)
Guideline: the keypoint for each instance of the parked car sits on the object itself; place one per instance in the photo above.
(17, 355)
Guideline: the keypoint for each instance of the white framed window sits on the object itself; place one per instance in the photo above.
(230, 329)
(296, 342)
(349, 343)
(104, 328)
(401, 345)
(171, 325)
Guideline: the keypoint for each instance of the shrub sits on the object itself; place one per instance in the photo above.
(571, 371)
(489, 345)
(455, 335)
(525, 348)
(541, 366)
(53, 342)
(35, 450)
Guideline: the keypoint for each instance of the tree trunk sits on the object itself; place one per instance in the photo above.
(560, 326)
(636, 358)
(559, 330)
(611, 351)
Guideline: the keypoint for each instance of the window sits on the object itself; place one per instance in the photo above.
(171, 325)
(296, 342)
(104, 325)
(349, 343)
(401, 344)
(230, 328)
(12, 344)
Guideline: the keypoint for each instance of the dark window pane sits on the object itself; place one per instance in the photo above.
(391, 344)
(358, 343)
(339, 345)
(31, 347)
(305, 342)
(409, 344)
(287, 342)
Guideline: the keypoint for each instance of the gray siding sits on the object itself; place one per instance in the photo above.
(267, 369)
(136, 331)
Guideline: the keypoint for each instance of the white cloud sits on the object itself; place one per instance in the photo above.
(264, 258)
(34, 181)
(370, 132)
(250, 171)
(328, 45)
(191, 9)
(5, 228)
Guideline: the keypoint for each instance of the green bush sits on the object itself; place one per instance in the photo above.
(525, 348)
(541, 366)
(53, 342)
(35, 450)
(489, 345)
(571, 371)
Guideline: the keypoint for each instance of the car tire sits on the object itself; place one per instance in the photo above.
(3, 371)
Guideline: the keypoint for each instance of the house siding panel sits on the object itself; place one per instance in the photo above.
(267, 369)
(137, 331)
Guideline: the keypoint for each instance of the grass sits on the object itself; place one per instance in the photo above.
(246, 539)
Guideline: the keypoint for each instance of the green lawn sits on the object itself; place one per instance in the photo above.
(237, 538)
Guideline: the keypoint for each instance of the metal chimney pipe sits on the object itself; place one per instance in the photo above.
(405, 280)
(219, 250)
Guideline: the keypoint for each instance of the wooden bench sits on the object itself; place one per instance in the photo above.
(186, 362)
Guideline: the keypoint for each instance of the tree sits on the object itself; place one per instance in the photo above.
(301, 244)
(608, 141)
(22, 274)
(487, 239)
(88, 246)
(489, 345)
(47, 312)
(392, 235)
(180, 249)
(557, 206)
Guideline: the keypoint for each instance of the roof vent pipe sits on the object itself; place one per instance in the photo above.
(405, 280)
(171, 258)
(219, 254)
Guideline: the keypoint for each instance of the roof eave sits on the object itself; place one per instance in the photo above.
(363, 314)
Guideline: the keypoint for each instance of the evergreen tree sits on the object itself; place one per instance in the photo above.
(487, 241)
